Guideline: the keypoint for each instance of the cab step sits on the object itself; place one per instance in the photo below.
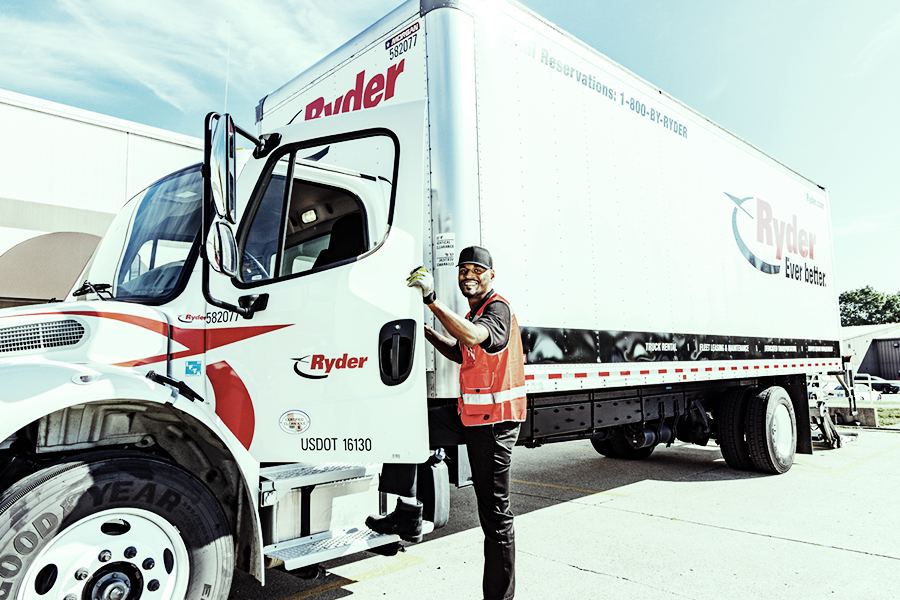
(329, 545)
(283, 478)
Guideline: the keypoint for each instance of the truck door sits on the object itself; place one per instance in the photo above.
(331, 222)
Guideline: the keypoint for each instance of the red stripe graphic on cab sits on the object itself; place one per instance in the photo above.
(159, 327)
(194, 339)
(233, 403)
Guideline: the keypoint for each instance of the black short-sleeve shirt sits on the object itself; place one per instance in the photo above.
(497, 318)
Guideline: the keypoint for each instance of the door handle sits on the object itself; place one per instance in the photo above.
(396, 349)
(395, 357)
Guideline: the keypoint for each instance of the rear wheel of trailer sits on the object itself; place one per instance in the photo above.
(732, 428)
(771, 430)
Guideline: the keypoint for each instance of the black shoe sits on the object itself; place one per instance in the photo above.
(405, 521)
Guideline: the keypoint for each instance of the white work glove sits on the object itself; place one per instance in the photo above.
(423, 280)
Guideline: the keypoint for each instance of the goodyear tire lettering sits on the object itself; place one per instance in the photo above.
(148, 492)
(38, 509)
(25, 542)
(45, 524)
(169, 500)
(10, 566)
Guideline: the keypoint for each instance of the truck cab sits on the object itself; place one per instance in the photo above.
(238, 359)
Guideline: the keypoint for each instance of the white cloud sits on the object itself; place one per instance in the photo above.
(176, 50)
(883, 47)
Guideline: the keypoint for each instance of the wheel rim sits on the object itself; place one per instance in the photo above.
(117, 554)
(782, 431)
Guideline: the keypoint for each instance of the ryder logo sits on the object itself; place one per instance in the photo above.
(318, 366)
(191, 318)
(770, 240)
(362, 95)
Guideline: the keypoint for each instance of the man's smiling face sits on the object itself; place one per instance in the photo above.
(475, 280)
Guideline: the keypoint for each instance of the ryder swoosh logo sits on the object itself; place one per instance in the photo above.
(775, 241)
(319, 366)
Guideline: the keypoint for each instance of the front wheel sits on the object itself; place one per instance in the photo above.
(124, 527)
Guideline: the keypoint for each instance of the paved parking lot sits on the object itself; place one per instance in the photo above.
(679, 525)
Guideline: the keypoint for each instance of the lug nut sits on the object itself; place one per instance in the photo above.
(153, 585)
(81, 574)
(105, 556)
(130, 552)
(149, 563)
(71, 597)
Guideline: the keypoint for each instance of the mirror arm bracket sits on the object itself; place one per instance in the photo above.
(267, 143)
(263, 144)
(244, 311)
(246, 134)
(254, 303)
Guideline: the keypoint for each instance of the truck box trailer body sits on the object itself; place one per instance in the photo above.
(244, 352)
(640, 243)
(623, 220)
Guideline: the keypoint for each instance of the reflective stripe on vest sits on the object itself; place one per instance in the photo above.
(492, 386)
(495, 397)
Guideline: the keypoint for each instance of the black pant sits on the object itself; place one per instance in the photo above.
(490, 455)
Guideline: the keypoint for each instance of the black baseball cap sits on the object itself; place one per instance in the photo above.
(476, 255)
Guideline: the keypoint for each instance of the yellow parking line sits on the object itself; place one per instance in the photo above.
(407, 560)
(571, 489)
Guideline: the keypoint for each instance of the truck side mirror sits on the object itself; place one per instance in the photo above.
(221, 253)
(221, 165)
(222, 250)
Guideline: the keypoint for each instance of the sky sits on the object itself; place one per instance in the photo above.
(813, 83)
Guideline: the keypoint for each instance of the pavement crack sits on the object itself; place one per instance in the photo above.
(604, 574)
(753, 533)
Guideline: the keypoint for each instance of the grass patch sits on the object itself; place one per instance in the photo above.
(888, 417)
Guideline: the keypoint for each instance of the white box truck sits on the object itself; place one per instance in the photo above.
(244, 353)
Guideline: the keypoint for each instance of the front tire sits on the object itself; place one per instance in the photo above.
(125, 527)
(772, 430)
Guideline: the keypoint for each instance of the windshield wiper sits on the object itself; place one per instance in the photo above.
(90, 287)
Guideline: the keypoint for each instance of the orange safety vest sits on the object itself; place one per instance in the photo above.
(492, 386)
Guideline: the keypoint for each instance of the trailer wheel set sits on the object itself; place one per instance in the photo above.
(757, 431)
(771, 430)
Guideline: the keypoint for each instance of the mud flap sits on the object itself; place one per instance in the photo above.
(434, 491)
(457, 459)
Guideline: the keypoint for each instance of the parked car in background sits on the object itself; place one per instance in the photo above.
(882, 385)
(862, 392)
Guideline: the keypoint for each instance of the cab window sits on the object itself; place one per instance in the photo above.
(311, 214)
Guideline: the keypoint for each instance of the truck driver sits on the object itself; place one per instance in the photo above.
(488, 346)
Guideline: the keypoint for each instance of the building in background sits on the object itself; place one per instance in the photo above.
(64, 174)
(873, 349)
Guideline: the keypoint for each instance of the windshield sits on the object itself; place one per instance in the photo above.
(145, 249)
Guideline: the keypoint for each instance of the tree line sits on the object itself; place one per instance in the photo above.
(867, 306)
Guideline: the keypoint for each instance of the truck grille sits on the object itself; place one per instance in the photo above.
(52, 334)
